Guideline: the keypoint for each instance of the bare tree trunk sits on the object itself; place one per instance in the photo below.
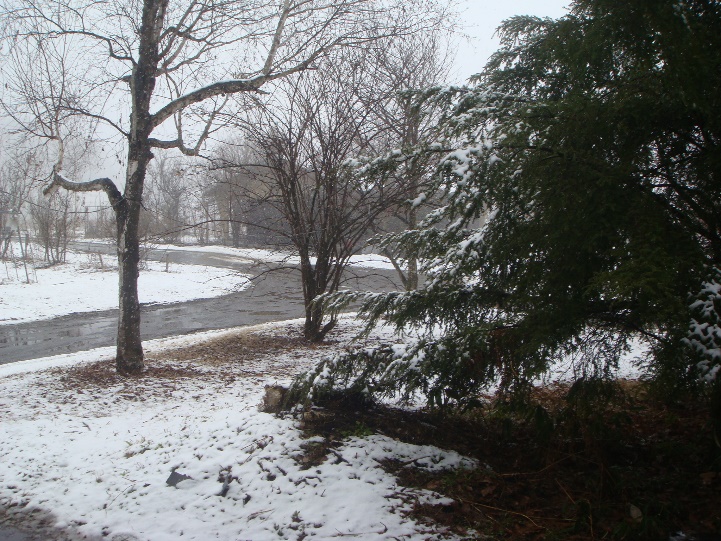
(129, 356)
(315, 282)
(314, 330)
(411, 282)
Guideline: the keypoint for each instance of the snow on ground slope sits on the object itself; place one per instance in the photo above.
(371, 261)
(82, 285)
(97, 452)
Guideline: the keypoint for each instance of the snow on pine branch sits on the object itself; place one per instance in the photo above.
(705, 331)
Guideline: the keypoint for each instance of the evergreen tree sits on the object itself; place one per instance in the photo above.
(582, 207)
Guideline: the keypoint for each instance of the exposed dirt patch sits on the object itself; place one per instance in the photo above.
(625, 466)
(636, 468)
(243, 354)
(237, 348)
(37, 524)
(103, 374)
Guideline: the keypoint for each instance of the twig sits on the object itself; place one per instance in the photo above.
(265, 440)
(116, 497)
(519, 474)
(341, 534)
(565, 491)
(486, 515)
(258, 513)
(338, 455)
(504, 511)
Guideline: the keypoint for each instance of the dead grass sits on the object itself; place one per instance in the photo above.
(647, 470)
(218, 361)
(633, 468)
(238, 348)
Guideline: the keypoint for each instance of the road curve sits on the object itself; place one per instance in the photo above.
(275, 294)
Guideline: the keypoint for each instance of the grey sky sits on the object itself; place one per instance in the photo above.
(481, 18)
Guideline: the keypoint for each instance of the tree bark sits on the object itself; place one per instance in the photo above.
(129, 359)
(411, 282)
(315, 282)
(129, 354)
(314, 330)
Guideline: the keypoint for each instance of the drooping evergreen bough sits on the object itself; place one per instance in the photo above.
(582, 211)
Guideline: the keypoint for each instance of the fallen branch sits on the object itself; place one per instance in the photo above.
(341, 534)
(504, 511)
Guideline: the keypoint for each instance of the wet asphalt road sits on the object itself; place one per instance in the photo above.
(274, 296)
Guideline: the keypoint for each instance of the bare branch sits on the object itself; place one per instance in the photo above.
(85, 113)
(276, 39)
(223, 88)
(179, 142)
(125, 57)
(216, 89)
(98, 185)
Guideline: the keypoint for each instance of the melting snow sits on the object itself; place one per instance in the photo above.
(81, 285)
(99, 459)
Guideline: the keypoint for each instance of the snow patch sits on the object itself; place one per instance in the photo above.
(100, 459)
(81, 285)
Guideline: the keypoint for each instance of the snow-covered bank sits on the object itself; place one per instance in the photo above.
(97, 451)
(150, 347)
(370, 261)
(83, 285)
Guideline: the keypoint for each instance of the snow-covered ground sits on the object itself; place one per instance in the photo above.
(93, 453)
(97, 453)
(88, 282)
(370, 261)
(83, 284)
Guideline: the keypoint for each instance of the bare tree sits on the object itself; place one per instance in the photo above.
(16, 175)
(55, 219)
(99, 222)
(246, 201)
(408, 64)
(171, 62)
(166, 193)
(230, 189)
(305, 147)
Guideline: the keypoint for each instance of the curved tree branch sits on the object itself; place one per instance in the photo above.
(202, 94)
(97, 185)
(235, 86)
